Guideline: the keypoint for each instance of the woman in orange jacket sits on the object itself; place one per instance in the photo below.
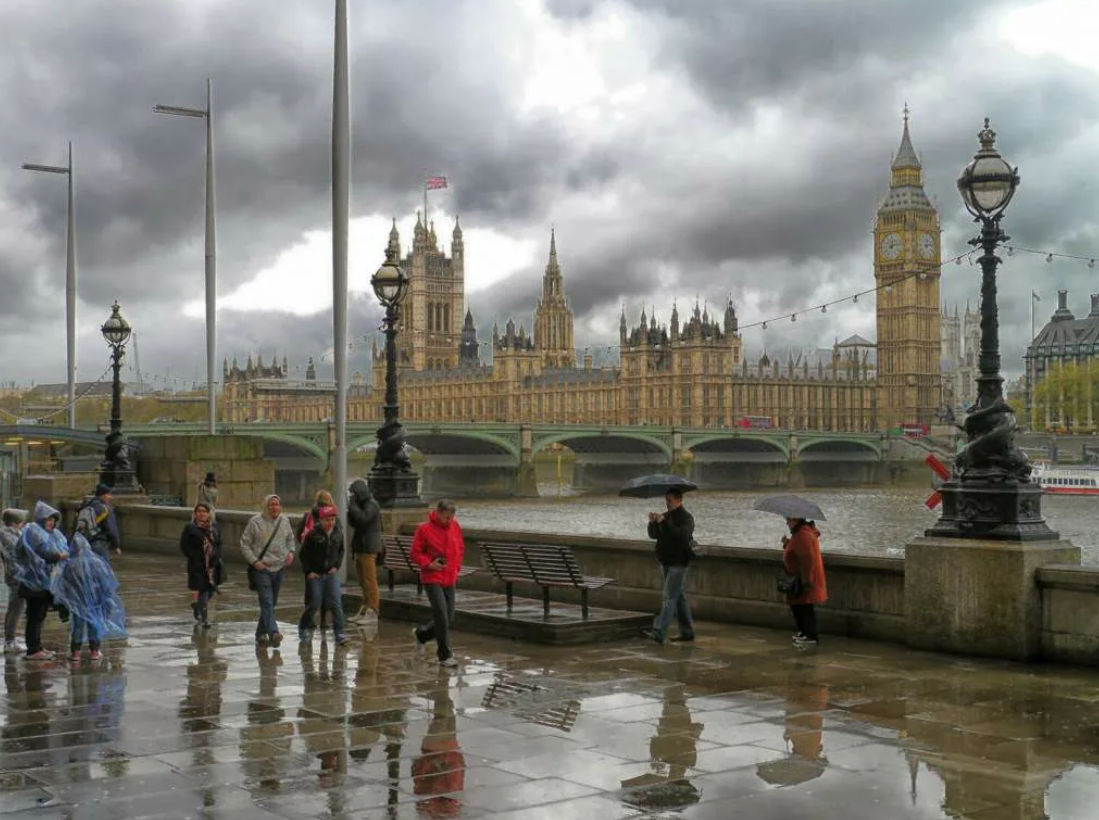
(437, 549)
(801, 557)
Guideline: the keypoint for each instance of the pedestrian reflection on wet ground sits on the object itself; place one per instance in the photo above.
(174, 725)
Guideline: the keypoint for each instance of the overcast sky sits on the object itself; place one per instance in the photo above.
(682, 149)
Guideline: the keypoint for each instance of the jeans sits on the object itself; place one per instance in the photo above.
(367, 564)
(267, 590)
(675, 604)
(78, 626)
(322, 593)
(805, 618)
(38, 605)
(15, 609)
(442, 616)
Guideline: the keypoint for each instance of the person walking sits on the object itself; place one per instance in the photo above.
(267, 545)
(95, 520)
(801, 559)
(321, 499)
(364, 515)
(321, 559)
(200, 542)
(673, 531)
(208, 493)
(40, 547)
(437, 549)
(11, 527)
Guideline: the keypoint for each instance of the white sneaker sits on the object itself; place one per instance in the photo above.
(418, 644)
(449, 663)
(11, 646)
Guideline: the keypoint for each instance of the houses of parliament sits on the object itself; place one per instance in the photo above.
(691, 371)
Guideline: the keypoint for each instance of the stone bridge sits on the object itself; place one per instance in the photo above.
(500, 458)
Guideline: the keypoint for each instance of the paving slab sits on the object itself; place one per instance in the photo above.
(183, 723)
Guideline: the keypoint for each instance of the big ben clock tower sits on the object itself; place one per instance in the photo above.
(907, 246)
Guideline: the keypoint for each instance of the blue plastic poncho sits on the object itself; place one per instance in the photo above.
(86, 585)
(39, 550)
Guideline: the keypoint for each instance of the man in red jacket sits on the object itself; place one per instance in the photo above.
(437, 548)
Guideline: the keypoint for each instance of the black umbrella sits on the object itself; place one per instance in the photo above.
(790, 506)
(655, 486)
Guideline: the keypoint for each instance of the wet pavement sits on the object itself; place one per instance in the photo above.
(181, 725)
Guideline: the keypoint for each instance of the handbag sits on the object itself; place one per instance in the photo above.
(251, 569)
(790, 584)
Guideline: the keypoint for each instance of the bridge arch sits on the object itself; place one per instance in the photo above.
(604, 441)
(755, 448)
(839, 449)
(448, 442)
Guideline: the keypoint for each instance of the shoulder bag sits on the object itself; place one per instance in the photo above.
(251, 569)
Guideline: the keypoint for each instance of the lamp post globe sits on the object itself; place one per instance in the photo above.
(116, 470)
(990, 494)
(116, 330)
(390, 283)
(988, 183)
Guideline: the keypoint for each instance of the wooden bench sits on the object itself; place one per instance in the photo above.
(398, 558)
(545, 566)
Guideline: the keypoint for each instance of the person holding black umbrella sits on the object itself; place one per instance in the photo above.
(674, 534)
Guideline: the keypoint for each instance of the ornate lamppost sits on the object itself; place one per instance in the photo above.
(991, 494)
(116, 471)
(392, 479)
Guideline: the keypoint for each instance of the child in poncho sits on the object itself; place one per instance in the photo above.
(87, 586)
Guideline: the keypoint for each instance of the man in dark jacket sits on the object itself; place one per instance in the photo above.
(365, 517)
(95, 521)
(321, 557)
(674, 534)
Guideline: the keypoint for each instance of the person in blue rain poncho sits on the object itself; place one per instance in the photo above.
(41, 548)
(86, 585)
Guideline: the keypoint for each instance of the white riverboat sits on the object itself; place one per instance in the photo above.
(1067, 480)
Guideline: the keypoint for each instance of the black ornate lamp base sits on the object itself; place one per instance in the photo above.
(395, 488)
(992, 511)
(121, 480)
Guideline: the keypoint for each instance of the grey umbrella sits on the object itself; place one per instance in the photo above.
(790, 506)
(655, 486)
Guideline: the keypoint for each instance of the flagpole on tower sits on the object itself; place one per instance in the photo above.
(425, 197)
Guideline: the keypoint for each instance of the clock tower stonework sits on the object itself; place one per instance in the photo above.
(907, 268)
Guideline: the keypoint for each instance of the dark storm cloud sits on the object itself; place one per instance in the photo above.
(774, 219)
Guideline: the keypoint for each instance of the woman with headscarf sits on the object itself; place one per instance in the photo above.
(200, 541)
(802, 560)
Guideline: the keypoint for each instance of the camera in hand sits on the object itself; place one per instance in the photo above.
(442, 561)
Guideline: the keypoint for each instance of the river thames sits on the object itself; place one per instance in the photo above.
(870, 521)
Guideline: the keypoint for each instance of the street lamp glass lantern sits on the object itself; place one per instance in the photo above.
(988, 183)
(116, 330)
(390, 283)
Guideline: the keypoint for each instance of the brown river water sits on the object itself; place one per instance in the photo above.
(871, 521)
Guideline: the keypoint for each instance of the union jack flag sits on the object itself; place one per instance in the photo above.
(435, 183)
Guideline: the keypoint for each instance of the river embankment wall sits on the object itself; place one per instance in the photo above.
(727, 585)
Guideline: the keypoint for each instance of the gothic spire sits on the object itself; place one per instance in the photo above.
(906, 154)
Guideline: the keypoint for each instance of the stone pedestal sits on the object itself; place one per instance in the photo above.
(394, 519)
(977, 596)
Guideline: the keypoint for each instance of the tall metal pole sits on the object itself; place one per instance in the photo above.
(341, 184)
(70, 294)
(211, 266)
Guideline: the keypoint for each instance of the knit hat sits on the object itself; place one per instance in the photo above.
(327, 512)
(210, 479)
(102, 490)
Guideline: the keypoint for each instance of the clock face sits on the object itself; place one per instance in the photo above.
(890, 246)
(926, 245)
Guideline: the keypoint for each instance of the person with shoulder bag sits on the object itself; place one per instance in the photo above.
(267, 545)
(803, 582)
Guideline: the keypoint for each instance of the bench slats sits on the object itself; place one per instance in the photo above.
(544, 565)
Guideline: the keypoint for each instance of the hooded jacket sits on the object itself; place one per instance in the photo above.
(259, 529)
(9, 541)
(97, 522)
(433, 540)
(39, 549)
(364, 514)
(801, 556)
(322, 551)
